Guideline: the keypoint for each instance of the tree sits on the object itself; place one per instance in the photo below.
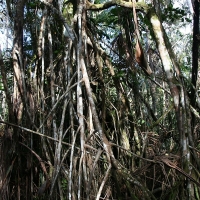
(99, 105)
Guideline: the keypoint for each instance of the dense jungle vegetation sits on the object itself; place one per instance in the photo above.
(99, 99)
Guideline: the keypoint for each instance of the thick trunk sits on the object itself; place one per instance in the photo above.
(10, 140)
(178, 93)
(195, 51)
(18, 61)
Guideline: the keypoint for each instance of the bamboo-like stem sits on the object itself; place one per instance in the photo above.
(71, 166)
(52, 76)
(104, 181)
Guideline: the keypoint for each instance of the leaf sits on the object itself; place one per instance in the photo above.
(188, 20)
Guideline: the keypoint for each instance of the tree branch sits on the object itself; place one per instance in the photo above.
(138, 5)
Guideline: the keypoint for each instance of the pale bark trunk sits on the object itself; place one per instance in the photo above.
(177, 91)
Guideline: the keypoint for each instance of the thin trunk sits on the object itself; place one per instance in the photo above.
(80, 50)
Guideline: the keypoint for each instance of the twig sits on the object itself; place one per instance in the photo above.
(34, 132)
(172, 165)
(93, 168)
(104, 181)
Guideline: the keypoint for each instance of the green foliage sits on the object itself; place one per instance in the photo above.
(99, 1)
(64, 184)
(140, 122)
(108, 18)
(107, 22)
(173, 14)
(35, 5)
(119, 74)
(144, 19)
